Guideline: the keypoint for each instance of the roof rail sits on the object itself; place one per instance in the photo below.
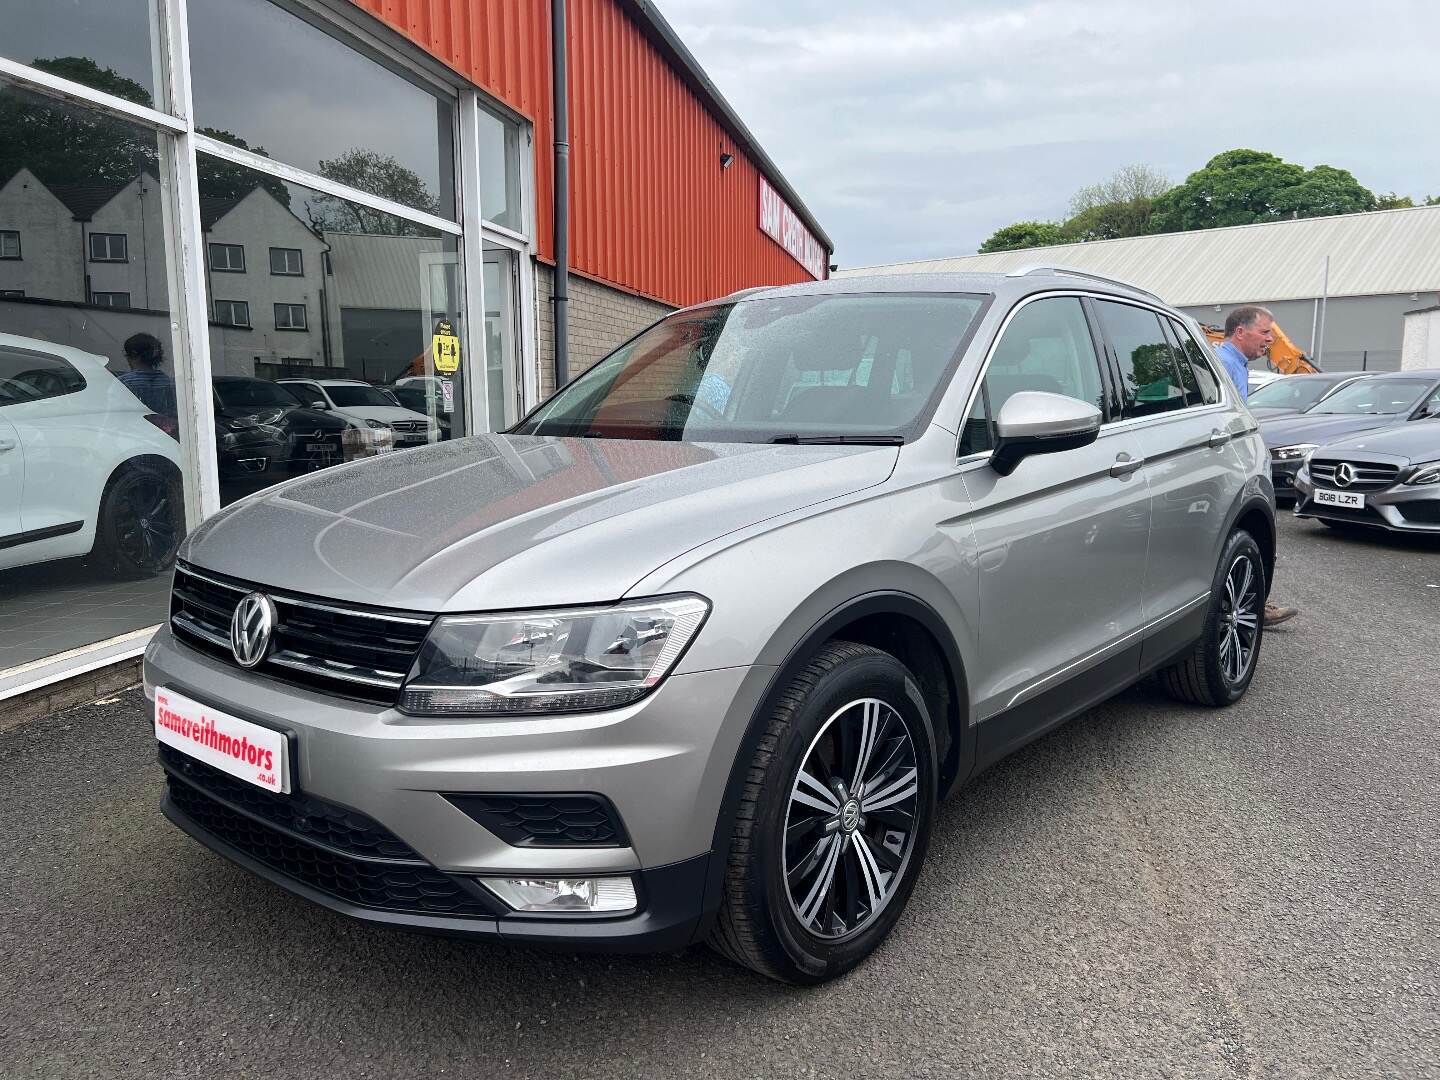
(1045, 268)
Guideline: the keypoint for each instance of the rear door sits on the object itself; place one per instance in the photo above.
(12, 480)
(1061, 541)
(1171, 405)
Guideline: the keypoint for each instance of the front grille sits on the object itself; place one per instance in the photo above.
(342, 831)
(420, 426)
(1369, 475)
(1421, 513)
(386, 886)
(546, 820)
(356, 652)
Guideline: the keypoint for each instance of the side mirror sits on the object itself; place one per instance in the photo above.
(1034, 422)
(318, 404)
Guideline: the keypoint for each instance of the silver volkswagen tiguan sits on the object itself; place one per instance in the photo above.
(690, 653)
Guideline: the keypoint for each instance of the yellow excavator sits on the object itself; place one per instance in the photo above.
(1284, 356)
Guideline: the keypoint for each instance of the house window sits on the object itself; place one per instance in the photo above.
(108, 247)
(234, 312)
(227, 258)
(286, 261)
(9, 243)
(110, 299)
(290, 317)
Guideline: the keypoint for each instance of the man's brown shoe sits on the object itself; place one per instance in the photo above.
(1275, 614)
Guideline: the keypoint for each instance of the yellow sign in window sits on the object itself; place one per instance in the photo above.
(445, 348)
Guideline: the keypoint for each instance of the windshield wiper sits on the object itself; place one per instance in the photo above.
(839, 440)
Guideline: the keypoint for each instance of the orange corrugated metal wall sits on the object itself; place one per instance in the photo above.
(651, 209)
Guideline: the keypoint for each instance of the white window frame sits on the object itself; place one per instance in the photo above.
(227, 269)
(109, 238)
(186, 258)
(232, 306)
(290, 307)
(95, 300)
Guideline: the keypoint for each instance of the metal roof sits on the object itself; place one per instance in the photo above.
(1379, 253)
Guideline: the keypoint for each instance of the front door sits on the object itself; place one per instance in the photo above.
(1061, 541)
(12, 482)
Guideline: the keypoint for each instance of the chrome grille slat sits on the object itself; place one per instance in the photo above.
(354, 651)
(1369, 475)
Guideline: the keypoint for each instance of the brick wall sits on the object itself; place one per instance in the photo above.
(600, 318)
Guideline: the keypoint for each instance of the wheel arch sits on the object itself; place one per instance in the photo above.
(1256, 515)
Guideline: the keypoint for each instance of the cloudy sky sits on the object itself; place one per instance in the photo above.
(915, 128)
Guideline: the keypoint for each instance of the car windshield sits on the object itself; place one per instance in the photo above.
(350, 396)
(1385, 396)
(844, 368)
(1296, 392)
(249, 393)
(410, 397)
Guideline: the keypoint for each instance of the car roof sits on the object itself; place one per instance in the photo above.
(78, 357)
(1009, 286)
(324, 382)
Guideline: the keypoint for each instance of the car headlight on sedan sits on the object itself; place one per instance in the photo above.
(1290, 453)
(541, 662)
(1425, 474)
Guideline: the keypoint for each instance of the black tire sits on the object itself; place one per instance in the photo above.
(880, 846)
(141, 520)
(1207, 674)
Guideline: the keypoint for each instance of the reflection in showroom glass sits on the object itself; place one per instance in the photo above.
(324, 313)
(91, 494)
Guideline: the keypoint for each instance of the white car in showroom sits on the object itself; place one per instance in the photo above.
(85, 468)
(365, 405)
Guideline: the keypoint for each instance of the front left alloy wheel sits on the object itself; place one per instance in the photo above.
(834, 819)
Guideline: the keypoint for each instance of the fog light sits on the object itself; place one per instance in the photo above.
(566, 896)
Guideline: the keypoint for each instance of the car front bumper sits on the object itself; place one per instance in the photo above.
(1282, 475)
(1398, 508)
(375, 828)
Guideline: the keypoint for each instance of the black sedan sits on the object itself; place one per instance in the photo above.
(1386, 479)
(302, 438)
(1296, 393)
(1380, 401)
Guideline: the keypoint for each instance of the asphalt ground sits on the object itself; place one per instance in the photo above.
(1153, 890)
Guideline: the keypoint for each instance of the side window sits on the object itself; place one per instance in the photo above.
(1198, 362)
(1149, 379)
(27, 376)
(1173, 335)
(1046, 347)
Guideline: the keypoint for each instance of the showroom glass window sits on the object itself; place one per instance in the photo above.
(361, 298)
(269, 81)
(104, 44)
(91, 496)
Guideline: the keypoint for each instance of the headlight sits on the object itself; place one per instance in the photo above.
(1426, 474)
(549, 661)
(376, 424)
(1290, 453)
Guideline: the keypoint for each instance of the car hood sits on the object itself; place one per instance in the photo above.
(504, 521)
(1413, 442)
(1321, 429)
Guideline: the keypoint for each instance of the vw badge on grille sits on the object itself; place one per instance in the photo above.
(250, 629)
(1344, 474)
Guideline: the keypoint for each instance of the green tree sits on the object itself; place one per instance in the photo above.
(1120, 206)
(1024, 234)
(1432, 200)
(66, 144)
(1242, 187)
(1392, 201)
(379, 174)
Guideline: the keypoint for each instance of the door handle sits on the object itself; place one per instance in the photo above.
(1125, 465)
(6, 444)
(1219, 438)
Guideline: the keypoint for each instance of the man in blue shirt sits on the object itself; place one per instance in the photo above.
(1249, 333)
(155, 389)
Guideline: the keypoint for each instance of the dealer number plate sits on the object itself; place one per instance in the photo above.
(258, 755)
(1346, 500)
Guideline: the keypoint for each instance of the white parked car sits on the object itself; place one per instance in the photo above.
(85, 468)
(366, 405)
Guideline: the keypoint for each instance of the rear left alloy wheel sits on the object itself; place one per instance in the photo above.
(834, 819)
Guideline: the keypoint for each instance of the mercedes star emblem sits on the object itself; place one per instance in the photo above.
(1344, 474)
(250, 629)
